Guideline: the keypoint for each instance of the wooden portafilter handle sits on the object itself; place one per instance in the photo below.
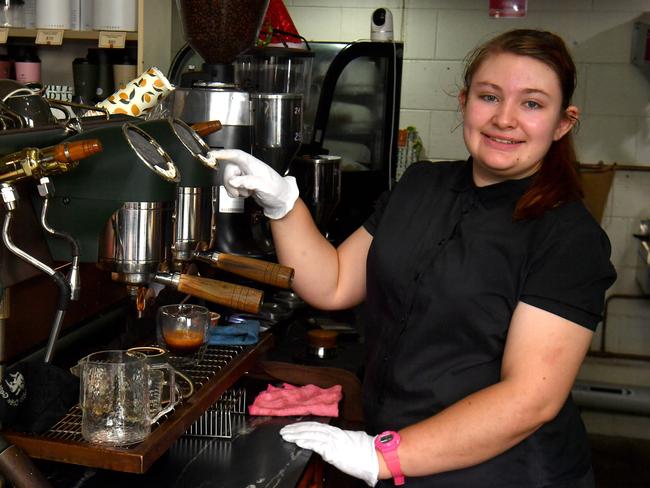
(67, 152)
(273, 274)
(206, 128)
(233, 296)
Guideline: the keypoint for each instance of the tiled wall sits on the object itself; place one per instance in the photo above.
(613, 94)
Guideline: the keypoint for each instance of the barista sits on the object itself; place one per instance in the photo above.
(483, 281)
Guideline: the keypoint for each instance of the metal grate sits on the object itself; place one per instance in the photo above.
(218, 371)
(214, 360)
(69, 427)
(218, 419)
(233, 401)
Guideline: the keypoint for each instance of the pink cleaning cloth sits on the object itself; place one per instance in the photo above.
(290, 400)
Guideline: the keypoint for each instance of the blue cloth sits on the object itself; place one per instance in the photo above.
(241, 334)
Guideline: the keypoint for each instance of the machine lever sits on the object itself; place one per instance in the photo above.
(255, 269)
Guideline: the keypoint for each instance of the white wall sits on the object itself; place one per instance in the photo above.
(613, 94)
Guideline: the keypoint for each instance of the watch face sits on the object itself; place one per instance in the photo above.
(386, 438)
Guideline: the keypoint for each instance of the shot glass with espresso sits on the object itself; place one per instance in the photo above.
(183, 330)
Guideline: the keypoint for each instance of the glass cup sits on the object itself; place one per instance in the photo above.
(115, 396)
(183, 330)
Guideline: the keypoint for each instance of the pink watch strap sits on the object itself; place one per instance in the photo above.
(392, 461)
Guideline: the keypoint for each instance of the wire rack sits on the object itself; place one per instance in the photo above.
(218, 419)
(205, 413)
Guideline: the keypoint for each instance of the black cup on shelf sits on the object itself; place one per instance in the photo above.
(6, 67)
(84, 74)
(102, 58)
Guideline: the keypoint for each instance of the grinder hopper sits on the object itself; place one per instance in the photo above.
(218, 30)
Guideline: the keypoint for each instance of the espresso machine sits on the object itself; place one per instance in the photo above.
(119, 205)
(263, 122)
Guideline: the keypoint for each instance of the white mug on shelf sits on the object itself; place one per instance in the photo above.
(116, 15)
(86, 15)
(29, 10)
(75, 15)
(53, 14)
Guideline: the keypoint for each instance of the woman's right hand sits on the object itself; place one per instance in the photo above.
(325, 277)
(244, 175)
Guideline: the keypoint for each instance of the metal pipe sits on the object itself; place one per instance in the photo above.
(18, 468)
(54, 335)
(46, 190)
(4, 315)
(19, 252)
(10, 199)
(614, 166)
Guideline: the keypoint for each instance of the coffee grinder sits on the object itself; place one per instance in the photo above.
(218, 30)
(265, 121)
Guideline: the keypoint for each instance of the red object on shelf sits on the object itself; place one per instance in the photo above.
(507, 8)
(277, 18)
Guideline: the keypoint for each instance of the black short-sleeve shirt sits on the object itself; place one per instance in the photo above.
(445, 271)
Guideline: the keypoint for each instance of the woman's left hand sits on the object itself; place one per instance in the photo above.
(353, 452)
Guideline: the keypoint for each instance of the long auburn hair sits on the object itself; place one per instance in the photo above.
(557, 180)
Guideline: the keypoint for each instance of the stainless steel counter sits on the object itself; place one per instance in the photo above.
(255, 457)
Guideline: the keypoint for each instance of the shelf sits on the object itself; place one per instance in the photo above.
(153, 39)
(68, 34)
(221, 367)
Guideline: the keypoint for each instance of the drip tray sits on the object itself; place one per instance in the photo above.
(220, 368)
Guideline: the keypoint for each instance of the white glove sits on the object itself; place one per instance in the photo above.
(244, 175)
(353, 452)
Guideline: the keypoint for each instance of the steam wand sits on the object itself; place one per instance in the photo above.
(46, 190)
(10, 199)
(37, 163)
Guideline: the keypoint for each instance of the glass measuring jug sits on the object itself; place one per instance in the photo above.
(115, 396)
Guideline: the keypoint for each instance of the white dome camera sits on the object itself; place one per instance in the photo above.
(381, 25)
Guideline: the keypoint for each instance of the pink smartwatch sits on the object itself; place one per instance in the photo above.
(387, 443)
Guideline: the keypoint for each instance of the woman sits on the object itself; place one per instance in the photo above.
(483, 281)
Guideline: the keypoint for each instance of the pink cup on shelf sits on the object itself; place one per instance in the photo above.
(28, 71)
